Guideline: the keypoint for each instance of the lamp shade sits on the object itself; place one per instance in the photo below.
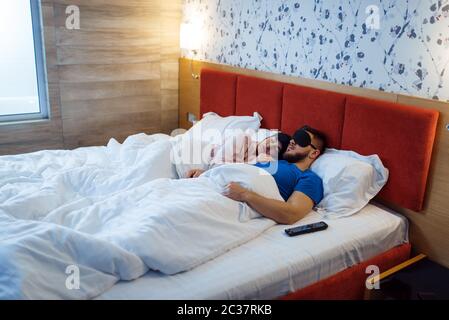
(190, 36)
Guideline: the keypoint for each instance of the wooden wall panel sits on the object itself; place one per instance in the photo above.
(117, 15)
(189, 89)
(108, 72)
(116, 76)
(429, 228)
(71, 91)
(171, 14)
(109, 38)
(68, 55)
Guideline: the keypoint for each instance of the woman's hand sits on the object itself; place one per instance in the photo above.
(194, 173)
(236, 192)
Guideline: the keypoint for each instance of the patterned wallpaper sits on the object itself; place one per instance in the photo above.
(391, 45)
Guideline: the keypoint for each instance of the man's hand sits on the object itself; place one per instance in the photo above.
(236, 192)
(194, 173)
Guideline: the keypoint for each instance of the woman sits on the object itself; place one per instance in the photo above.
(243, 147)
(278, 142)
(264, 146)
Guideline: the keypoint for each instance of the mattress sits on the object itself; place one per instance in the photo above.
(273, 264)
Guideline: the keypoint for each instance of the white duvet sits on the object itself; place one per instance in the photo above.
(113, 213)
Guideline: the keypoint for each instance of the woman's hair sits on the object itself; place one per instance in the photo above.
(284, 140)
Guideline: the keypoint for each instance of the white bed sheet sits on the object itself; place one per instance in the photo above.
(273, 264)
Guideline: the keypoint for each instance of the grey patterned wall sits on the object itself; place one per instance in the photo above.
(332, 40)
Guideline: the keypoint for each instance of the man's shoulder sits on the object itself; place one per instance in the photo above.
(312, 175)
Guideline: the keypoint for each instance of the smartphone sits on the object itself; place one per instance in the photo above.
(308, 228)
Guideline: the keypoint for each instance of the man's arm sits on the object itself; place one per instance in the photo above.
(296, 207)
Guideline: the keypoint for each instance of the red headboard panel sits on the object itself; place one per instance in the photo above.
(401, 135)
(316, 108)
(217, 93)
(263, 96)
(403, 138)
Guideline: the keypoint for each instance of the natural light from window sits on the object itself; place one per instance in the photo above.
(19, 60)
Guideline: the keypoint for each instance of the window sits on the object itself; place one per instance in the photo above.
(23, 84)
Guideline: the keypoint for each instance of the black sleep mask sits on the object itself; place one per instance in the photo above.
(302, 138)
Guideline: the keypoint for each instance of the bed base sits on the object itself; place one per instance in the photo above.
(349, 284)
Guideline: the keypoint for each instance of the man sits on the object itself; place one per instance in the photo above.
(300, 187)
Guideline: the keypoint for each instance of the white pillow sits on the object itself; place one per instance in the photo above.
(211, 120)
(350, 181)
(192, 150)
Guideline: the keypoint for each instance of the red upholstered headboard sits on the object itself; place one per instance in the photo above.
(401, 135)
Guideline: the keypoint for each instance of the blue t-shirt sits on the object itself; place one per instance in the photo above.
(290, 178)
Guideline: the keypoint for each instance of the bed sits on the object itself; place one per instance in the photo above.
(402, 135)
(96, 208)
(274, 265)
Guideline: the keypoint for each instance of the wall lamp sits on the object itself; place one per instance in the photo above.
(190, 40)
